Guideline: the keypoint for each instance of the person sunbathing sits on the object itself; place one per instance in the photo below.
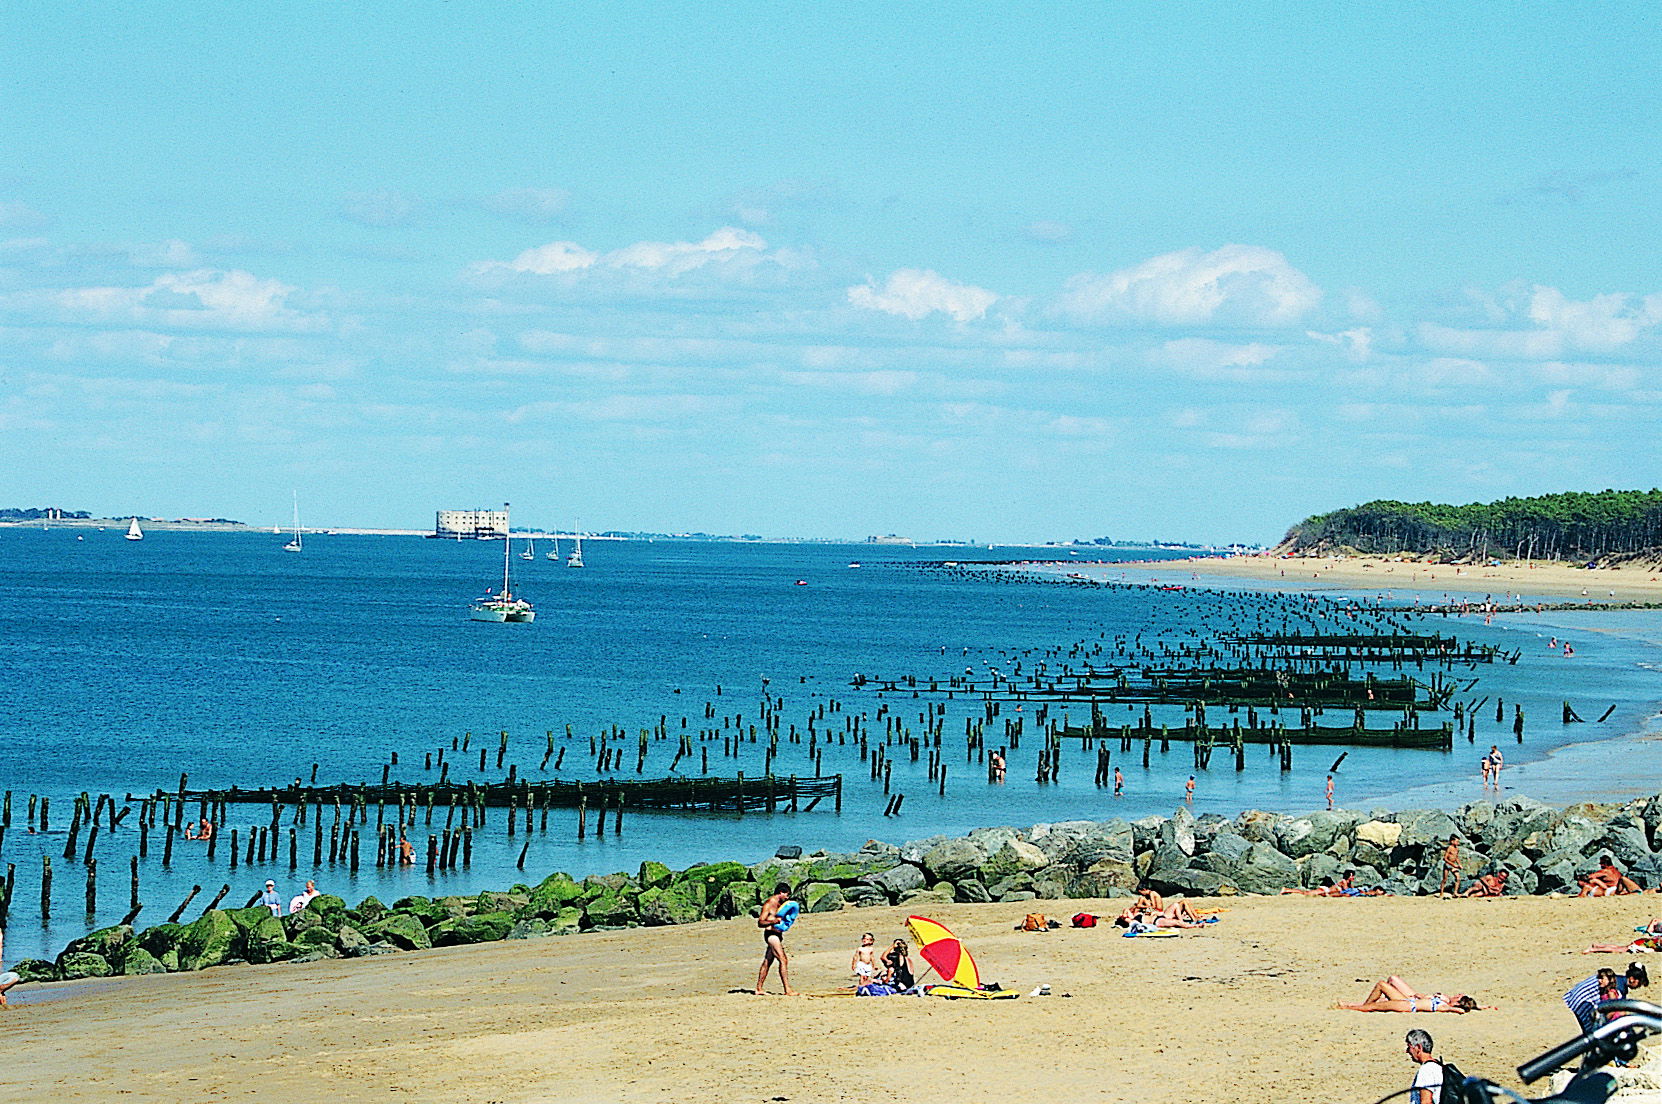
(1327, 888)
(1606, 881)
(1147, 898)
(1645, 944)
(1395, 995)
(1489, 885)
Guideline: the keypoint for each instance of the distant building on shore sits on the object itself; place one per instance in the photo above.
(463, 524)
(889, 539)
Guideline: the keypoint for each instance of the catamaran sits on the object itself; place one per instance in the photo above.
(503, 606)
(134, 532)
(294, 545)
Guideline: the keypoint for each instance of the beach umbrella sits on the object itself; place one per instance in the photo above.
(944, 952)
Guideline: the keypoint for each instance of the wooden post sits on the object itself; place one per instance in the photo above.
(45, 883)
(233, 847)
(167, 847)
(317, 842)
(617, 821)
(185, 904)
(92, 838)
(582, 817)
(92, 886)
(144, 839)
(133, 866)
(354, 866)
(218, 897)
(433, 853)
(294, 850)
(520, 865)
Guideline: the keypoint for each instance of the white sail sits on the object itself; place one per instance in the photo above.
(295, 544)
(134, 532)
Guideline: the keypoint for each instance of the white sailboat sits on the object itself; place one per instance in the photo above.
(576, 557)
(530, 552)
(554, 555)
(295, 545)
(134, 532)
(503, 606)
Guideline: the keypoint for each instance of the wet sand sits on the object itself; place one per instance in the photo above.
(1240, 1010)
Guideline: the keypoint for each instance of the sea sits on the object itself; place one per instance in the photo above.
(124, 664)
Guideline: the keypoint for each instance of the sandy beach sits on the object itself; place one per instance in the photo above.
(1549, 582)
(652, 1015)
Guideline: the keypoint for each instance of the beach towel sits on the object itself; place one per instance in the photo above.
(963, 992)
(1148, 930)
(876, 989)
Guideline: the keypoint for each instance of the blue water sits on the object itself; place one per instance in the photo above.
(124, 663)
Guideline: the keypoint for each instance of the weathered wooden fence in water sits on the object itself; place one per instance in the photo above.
(1439, 738)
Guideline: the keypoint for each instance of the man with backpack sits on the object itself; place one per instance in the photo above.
(1428, 1074)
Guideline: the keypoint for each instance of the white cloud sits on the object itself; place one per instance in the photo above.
(1238, 283)
(529, 204)
(379, 209)
(203, 298)
(1203, 355)
(728, 249)
(20, 215)
(546, 260)
(916, 293)
(1357, 344)
(1602, 322)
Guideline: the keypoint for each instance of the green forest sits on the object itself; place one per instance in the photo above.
(1570, 526)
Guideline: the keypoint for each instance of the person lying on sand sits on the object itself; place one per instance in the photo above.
(1489, 885)
(1645, 944)
(1175, 915)
(1395, 995)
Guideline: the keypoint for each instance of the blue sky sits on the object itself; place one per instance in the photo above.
(957, 270)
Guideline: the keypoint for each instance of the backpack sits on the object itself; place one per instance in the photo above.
(1454, 1084)
(1084, 920)
(1035, 921)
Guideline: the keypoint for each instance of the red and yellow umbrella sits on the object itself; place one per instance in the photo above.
(944, 951)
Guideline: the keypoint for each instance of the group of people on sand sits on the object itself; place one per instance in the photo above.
(1343, 886)
(1606, 881)
(892, 969)
(1149, 911)
(1392, 994)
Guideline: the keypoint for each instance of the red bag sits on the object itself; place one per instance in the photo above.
(1084, 920)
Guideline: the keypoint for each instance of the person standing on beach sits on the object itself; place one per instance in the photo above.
(779, 912)
(1119, 783)
(1330, 791)
(1189, 791)
(1451, 866)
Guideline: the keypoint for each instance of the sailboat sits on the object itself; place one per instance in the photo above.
(530, 552)
(134, 532)
(554, 555)
(294, 545)
(576, 557)
(503, 606)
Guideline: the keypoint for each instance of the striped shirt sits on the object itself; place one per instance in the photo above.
(1584, 998)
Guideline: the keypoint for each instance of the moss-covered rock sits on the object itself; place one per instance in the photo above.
(369, 910)
(492, 900)
(109, 944)
(83, 964)
(552, 894)
(267, 942)
(402, 930)
(713, 877)
(612, 909)
(208, 941)
(487, 927)
(36, 969)
(161, 939)
(140, 961)
(352, 942)
(674, 905)
(531, 928)
(654, 875)
(247, 919)
(823, 897)
(312, 938)
(568, 921)
(425, 909)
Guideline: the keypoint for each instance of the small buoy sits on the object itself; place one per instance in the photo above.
(802, 582)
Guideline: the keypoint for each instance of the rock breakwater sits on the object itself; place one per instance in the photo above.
(1544, 849)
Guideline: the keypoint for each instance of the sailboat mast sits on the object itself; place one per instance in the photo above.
(507, 546)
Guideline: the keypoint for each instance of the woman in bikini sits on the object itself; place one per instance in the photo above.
(1395, 995)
